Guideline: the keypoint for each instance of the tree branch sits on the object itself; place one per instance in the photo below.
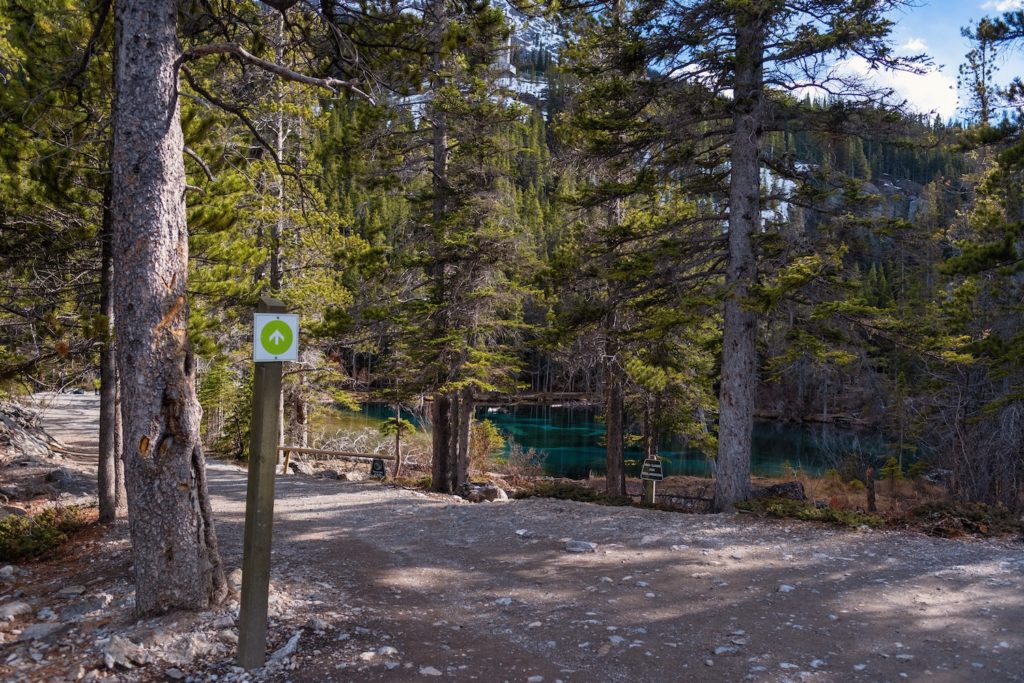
(334, 85)
(202, 164)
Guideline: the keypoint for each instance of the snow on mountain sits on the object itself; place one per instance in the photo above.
(533, 34)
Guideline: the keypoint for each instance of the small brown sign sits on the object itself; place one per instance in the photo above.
(651, 469)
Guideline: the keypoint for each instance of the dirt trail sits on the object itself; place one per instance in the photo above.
(390, 584)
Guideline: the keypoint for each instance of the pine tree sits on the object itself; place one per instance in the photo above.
(752, 49)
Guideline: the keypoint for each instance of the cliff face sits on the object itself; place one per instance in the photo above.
(895, 198)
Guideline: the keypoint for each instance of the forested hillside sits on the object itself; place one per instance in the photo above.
(676, 210)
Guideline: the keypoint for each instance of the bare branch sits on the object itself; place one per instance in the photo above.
(202, 164)
(334, 85)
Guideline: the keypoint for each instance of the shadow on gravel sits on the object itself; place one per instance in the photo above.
(666, 597)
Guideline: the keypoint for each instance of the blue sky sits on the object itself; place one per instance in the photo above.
(933, 27)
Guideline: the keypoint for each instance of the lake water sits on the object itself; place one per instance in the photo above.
(572, 440)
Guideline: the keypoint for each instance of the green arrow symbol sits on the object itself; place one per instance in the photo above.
(276, 337)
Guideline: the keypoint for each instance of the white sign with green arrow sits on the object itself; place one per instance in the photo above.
(275, 337)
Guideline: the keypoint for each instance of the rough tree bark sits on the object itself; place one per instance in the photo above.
(739, 349)
(398, 441)
(446, 414)
(174, 547)
(442, 479)
(110, 471)
(464, 417)
(615, 459)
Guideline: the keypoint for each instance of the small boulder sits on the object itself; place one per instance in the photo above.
(124, 653)
(8, 510)
(302, 468)
(353, 475)
(478, 493)
(234, 579)
(288, 649)
(580, 547)
(14, 609)
(60, 477)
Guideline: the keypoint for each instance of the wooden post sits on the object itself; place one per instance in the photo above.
(649, 491)
(869, 480)
(259, 506)
(398, 440)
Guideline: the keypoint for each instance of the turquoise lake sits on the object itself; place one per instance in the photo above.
(571, 437)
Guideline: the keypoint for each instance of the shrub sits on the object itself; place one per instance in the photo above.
(524, 463)
(485, 440)
(27, 537)
(892, 471)
(563, 490)
(856, 485)
(917, 468)
(795, 509)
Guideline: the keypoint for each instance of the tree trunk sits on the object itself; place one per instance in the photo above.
(615, 462)
(174, 546)
(441, 470)
(277, 229)
(650, 443)
(739, 348)
(465, 418)
(398, 441)
(108, 484)
(445, 406)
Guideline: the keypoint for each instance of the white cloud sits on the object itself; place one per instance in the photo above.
(930, 92)
(1003, 5)
(914, 46)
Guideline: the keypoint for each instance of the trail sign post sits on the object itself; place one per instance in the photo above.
(377, 469)
(650, 473)
(275, 339)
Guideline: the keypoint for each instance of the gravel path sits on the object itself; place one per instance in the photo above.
(488, 591)
(381, 583)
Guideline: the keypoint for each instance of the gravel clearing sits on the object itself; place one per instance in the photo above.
(375, 583)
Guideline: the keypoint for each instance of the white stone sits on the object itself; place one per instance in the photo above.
(288, 649)
(580, 547)
(123, 652)
(14, 609)
(786, 588)
(429, 671)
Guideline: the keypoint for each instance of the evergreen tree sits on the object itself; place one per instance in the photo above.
(752, 50)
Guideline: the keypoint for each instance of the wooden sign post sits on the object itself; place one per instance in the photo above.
(275, 338)
(650, 473)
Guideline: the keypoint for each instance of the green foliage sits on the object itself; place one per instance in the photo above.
(34, 536)
(234, 440)
(917, 468)
(562, 490)
(892, 470)
(485, 441)
(787, 508)
(953, 519)
(393, 424)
